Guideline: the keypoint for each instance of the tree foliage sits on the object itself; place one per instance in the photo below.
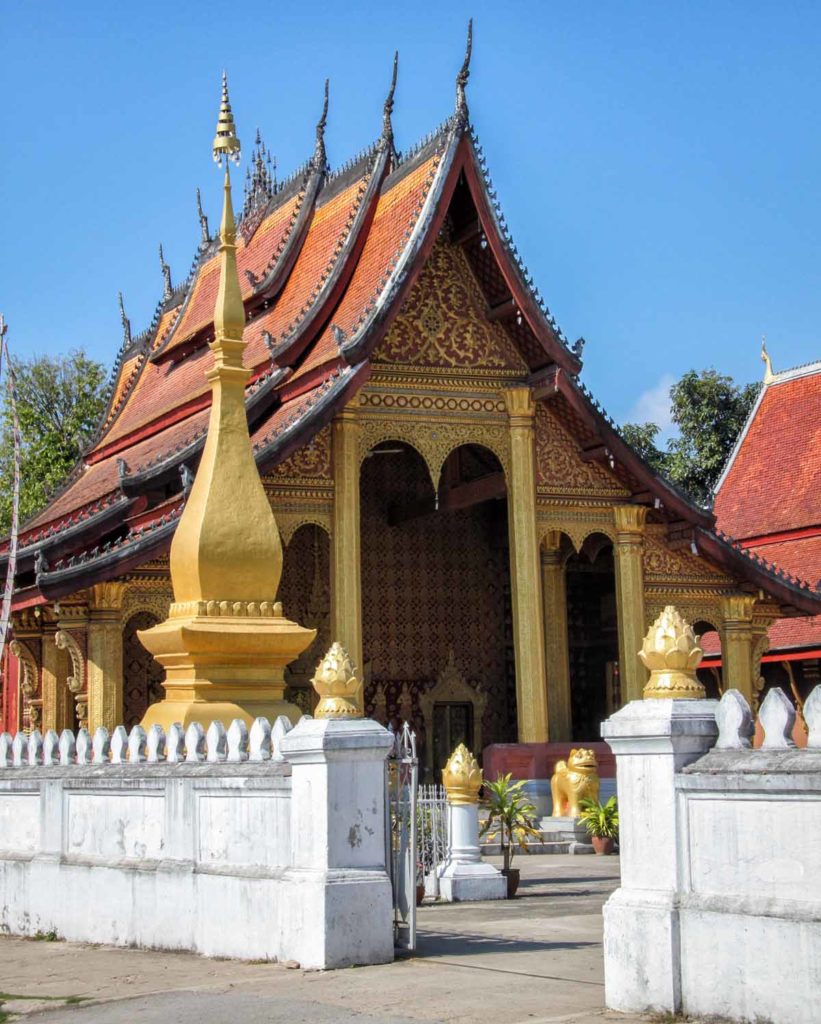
(709, 409)
(59, 403)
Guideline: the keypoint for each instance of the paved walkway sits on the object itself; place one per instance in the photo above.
(536, 959)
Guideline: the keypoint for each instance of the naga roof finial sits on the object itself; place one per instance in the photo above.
(206, 237)
(167, 289)
(387, 110)
(125, 321)
(462, 80)
(320, 156)
(765, 358)
(226, 144)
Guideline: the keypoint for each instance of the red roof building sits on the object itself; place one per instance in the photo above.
(769, 499)
(455, 506)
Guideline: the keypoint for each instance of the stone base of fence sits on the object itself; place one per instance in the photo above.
(214, 844)
(719, 910)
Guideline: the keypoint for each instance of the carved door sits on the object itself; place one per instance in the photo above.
(142, 675)
(452, 725)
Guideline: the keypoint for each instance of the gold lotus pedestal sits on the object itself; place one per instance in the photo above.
(224, 661)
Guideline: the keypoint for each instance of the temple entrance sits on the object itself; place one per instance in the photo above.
(436, 608)
(305, 592)
(593, 638)
(142, 675)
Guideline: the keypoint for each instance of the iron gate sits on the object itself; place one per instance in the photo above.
(401, 780)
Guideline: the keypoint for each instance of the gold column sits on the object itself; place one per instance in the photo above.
(105, 657)
(346, 569)
(629, 550)
(737, 639)
(50, 680)
(557, 651)
(528, 628)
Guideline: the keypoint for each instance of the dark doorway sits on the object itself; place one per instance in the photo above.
(142, 675)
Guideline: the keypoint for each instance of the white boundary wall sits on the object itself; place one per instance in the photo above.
(224, 847)
(719, 910)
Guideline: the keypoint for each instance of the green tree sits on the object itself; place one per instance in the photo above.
(59, 402)
(709, 409)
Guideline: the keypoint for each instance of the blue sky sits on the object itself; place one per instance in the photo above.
(658, 163)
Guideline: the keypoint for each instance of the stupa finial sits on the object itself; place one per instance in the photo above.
(765, 358)
(462, 80)
(226, 144)
(320, 156)
(167, 289)
(387, 110)
(206, 235)
(124, 320)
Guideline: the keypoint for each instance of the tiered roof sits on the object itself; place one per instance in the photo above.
(325, 259)
(769, 495)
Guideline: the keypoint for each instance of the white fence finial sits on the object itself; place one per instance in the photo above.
(194, 742)
(175, 744)
(259, 741)
(20, 750)
(101, 745)
(83, 747)
(5, 749)
(35, 747)
(155, 744)
(282, 726)
(67, 747)
(735, 722)
(216, 742)
(136, 745)
(119, 745)
(812, 716)
(51, 742)
(237, 741)
(777, 717)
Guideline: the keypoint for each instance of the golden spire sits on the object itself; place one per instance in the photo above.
(226, 144)
(225, 643)
(208, 560)
(765, 358)
(671, 651)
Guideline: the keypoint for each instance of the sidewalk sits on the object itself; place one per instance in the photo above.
(536, 959)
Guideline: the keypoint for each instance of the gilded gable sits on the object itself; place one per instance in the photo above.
(443, 321)
(559, 467)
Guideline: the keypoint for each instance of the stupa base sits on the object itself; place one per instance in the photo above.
(221, 667)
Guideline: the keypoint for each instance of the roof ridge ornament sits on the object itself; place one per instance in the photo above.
(320, 160)
(461, 116)
(206, 235)
(387, 110)
(769, 376)
(125, 321)
(167, 289)
(226, 144)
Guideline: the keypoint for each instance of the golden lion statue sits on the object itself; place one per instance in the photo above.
(574, 780)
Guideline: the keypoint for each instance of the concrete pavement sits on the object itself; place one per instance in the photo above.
(536, 959)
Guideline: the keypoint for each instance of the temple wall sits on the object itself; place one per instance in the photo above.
(719, 910)
(226, 849)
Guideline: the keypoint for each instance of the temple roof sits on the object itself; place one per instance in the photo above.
(325, 261)
(772, 480)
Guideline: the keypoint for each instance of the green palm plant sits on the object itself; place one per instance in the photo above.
(601, 820)
(511, 817)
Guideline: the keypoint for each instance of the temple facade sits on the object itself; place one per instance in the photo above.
(454, 505)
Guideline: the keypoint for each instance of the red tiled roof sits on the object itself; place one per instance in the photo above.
(773, 482)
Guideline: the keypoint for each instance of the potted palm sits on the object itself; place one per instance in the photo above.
(602, 822)
(511, 819)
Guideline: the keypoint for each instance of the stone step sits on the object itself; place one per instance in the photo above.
(550, 846)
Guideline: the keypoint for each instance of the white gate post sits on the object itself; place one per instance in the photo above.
(465, 876)
(339, 892)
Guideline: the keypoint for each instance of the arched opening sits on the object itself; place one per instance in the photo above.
(436, 608)
(593, 636)
(710, 641)
(142, 675)
(305, 593)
